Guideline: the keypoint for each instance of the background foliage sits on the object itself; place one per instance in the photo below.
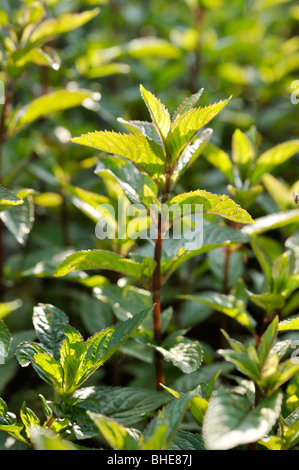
(74, 67)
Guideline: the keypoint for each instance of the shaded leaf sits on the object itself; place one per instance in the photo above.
(231, 421)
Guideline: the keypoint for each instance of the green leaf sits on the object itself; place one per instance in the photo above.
(187, 104)
(185, 440)
(245, 197)
(145, 47)
(289, 324)
(169, 418)
(7, 307)
(220, 160)
(231, 421)
(268, 301)
(15, 430)
(127, 405)
(47, 321)
(52, 26)
(147, 129)
(45, 439)
(263, 259)
(5, 341)
(212, 204)
(8, 199)
(227, 304)
(267, 341)
(72, 356)
(126, 300)
(46, 104)
(278, 374)
(243, 153)
(245, 361)
(117, 435)
(176, 252)
(193, 151)
(38, 56)
(187, 355)
(138, 187)
(29, 419)
(101, 346)
(159, 114)
(185, 127)
(46, 367)
(274, 157)
(20, 220)
(271, 222)
(100, 259)
(144, 153)
(51, 368)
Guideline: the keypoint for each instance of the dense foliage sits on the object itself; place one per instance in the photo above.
(149, 244)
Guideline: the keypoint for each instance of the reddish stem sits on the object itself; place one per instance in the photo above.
(157, 305)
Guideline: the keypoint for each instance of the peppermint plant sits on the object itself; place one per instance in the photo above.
(158, 152)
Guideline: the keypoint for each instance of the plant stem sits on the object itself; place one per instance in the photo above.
(156, 290)
(157, 305)
(2, 142)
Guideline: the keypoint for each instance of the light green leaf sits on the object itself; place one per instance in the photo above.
(144, 47)
(267, 341)
(170, 416)
(186, 126)
(271, 222)
(212, 204)
(101, 346)
(187, 104)
(100, 259)
(289, 324)
(117, 435)
(227, 304)
(7, 307)
(144, 153)
(51, 368)
(47, 367)
(273, 157)
(36, 56)
(245, 197)
(28, 418)
(159, 114)
(231, 421)
(45, 439)
(46, 104)
(193, 151)
(243, 153)
(147, 129)
(52, 26)
(15, 430)
(268, 301)
(8, 199)
(220, 160)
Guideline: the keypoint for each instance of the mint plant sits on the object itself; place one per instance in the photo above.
(162, 150)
